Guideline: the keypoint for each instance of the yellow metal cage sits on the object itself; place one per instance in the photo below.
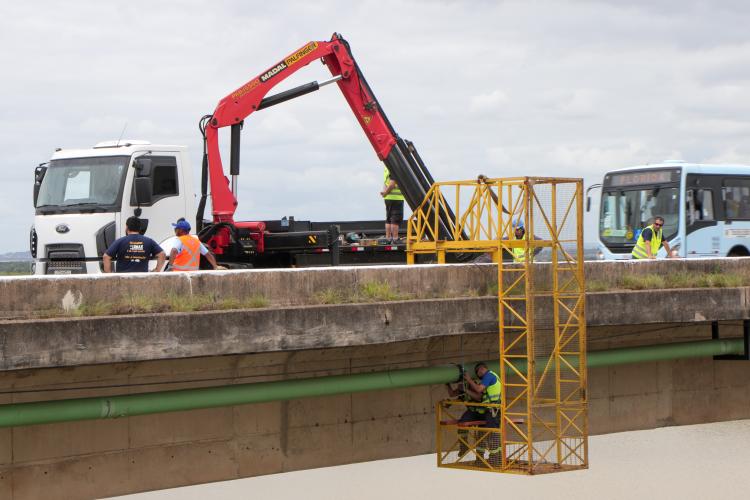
(542, 423)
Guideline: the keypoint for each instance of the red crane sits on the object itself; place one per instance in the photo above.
(400, 156)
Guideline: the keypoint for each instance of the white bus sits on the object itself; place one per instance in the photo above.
(706, 209)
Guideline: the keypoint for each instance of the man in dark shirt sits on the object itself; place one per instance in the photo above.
(133, 251)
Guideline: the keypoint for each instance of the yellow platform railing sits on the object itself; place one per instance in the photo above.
(543, 412)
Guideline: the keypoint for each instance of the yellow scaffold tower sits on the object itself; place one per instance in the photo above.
(540, 423)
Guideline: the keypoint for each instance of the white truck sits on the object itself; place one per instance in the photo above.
(84, 196)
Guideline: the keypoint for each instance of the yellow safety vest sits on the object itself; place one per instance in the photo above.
(519, 254)
(639, 250)
(189, 258)
(491, 394)
(395, 193)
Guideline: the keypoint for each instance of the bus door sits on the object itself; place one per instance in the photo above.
(736, 231)
(702, 234)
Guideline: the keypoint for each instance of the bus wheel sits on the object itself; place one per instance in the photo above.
(738, 251)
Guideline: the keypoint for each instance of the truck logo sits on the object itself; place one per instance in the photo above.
(62, 228)
(273, 72)
(312, 239)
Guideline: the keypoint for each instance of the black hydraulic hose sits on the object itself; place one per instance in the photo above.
(286, 95)
(414, 166)
(204, 174)
(413, 150)
(234, 150)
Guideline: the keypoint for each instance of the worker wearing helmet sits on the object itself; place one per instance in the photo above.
(486, 389)
(519, 233)
(186, 254)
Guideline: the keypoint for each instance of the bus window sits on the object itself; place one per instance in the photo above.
(736, 194)
(625, 212)
(700, 205)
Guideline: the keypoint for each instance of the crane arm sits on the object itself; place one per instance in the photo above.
(233, 109)
(400, 157)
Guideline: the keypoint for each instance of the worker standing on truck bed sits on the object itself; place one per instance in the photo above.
(133, 251)
(394, 206)
(186, 254)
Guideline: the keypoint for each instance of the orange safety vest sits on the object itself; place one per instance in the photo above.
(189, 257)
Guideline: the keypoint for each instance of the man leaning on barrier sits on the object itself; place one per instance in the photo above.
(650, 241)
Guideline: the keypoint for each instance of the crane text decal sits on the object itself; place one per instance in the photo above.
(245, 89)
(273, 72)
(293, 59)
(301, 53)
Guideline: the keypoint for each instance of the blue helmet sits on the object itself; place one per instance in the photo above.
(518, 224)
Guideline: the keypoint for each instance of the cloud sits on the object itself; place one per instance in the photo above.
(732, 155)
(715, 127)
(488, 103)
(580, 103)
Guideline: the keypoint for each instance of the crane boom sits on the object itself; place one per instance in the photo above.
(399, 156)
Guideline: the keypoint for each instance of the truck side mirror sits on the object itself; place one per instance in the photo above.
(143, 191)
(588, 203)
(143, 167)
(39, 173)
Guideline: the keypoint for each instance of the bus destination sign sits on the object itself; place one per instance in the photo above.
(641, 178)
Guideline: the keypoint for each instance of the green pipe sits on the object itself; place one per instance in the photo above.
(644, 354)
(47, 412)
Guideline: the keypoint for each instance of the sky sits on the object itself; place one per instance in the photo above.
(505, 89)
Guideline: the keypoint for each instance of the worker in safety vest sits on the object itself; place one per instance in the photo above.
(394, 206)
(486, 389)
(186, 254)
(519, 233)
(650, 241)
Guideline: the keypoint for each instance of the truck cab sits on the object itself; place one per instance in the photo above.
(83, 197)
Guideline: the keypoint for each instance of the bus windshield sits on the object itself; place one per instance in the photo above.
(625, 212)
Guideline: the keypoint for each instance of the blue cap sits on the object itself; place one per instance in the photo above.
(182, 224)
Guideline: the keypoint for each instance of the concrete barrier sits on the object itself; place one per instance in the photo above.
(52, 295)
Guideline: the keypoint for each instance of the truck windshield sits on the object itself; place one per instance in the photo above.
(624, 213)
(83, 184)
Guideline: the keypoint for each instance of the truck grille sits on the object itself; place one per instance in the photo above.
(65, 259)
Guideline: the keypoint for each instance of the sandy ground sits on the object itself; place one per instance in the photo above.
(709, 461)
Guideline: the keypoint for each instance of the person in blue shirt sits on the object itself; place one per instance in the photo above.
(133, 251)
(484, 390)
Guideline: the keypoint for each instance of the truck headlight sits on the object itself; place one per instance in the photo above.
(32, 242)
